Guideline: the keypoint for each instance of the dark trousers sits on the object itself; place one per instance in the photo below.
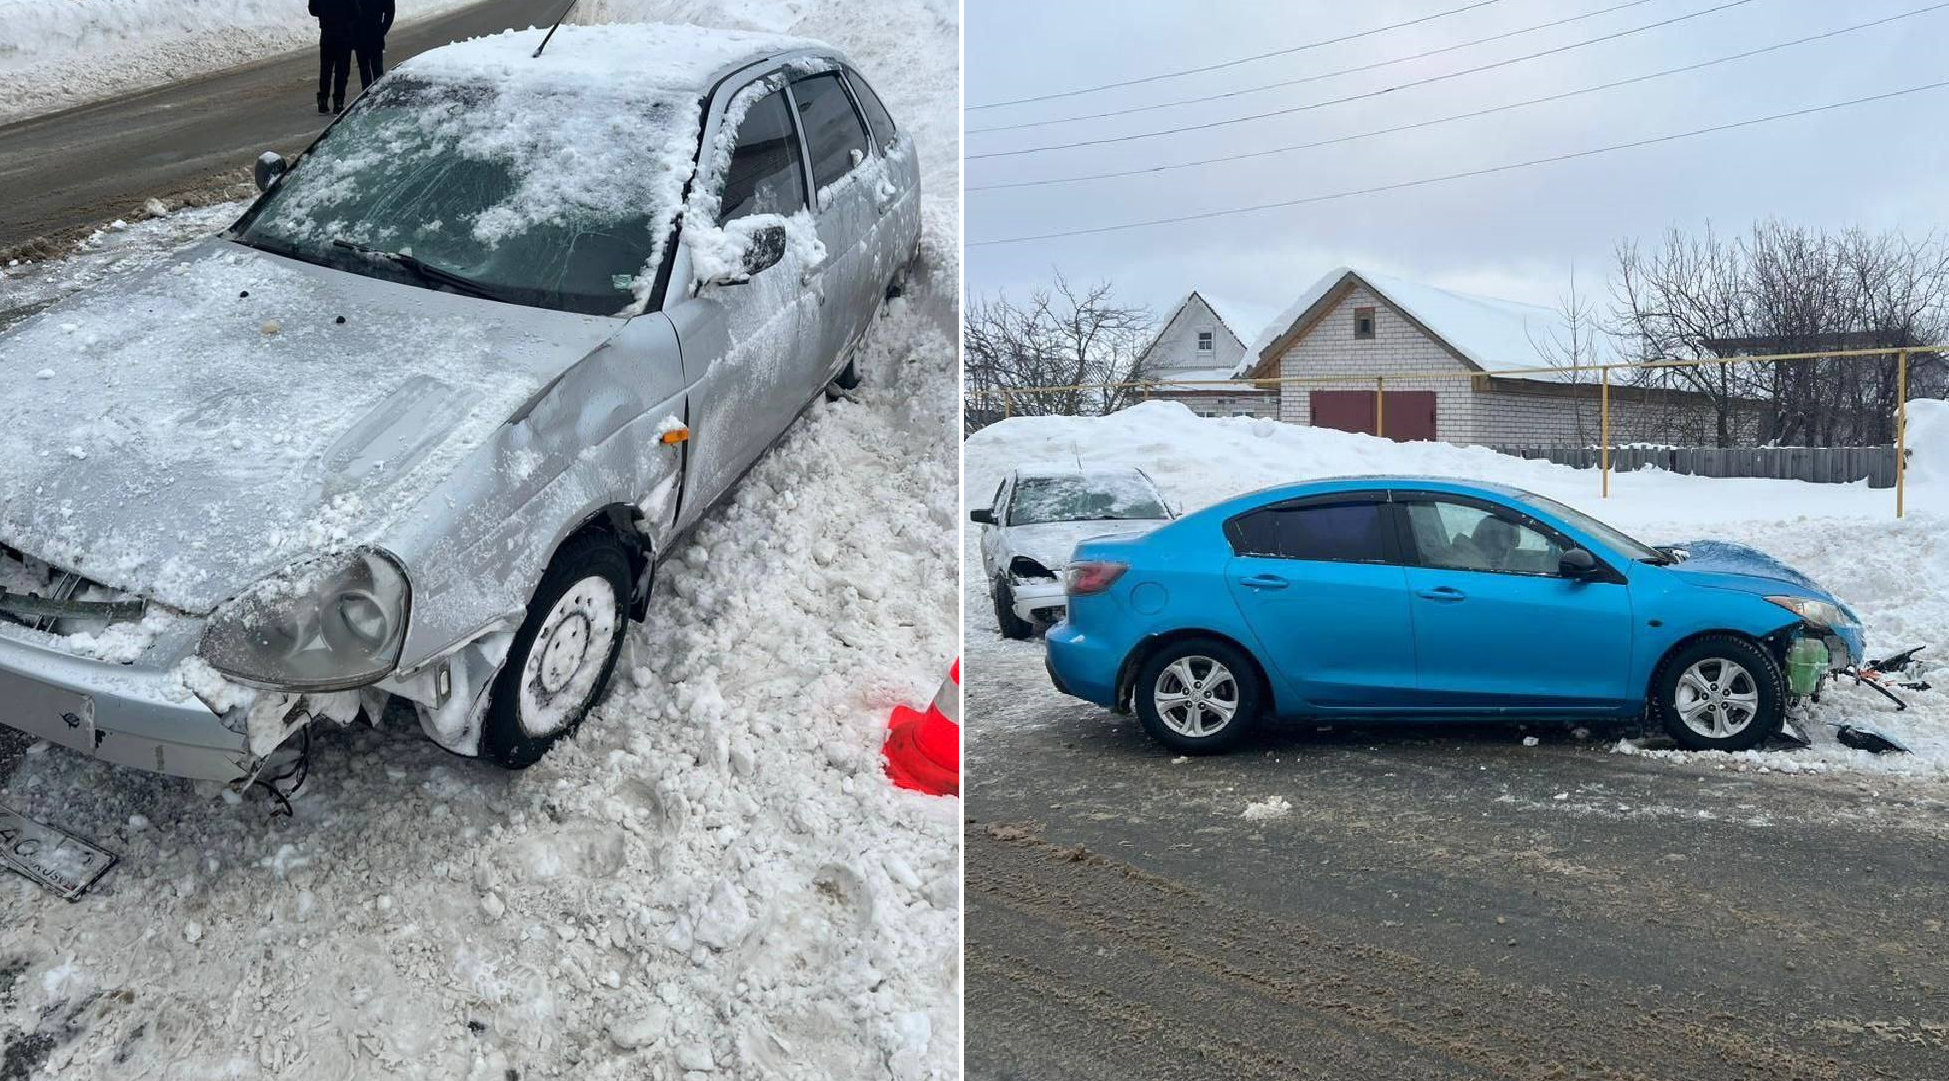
(334, 66)
(372, 60)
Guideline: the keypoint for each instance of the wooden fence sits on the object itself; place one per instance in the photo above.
(1820, 465)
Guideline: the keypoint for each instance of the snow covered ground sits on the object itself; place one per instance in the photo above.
(1845, 536)
(60, 55)
(714, 879)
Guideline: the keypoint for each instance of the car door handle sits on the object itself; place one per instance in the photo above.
(1262, 581)
(1441, 593)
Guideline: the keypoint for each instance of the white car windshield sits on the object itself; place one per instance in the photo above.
(1084, 498)
(485, 191)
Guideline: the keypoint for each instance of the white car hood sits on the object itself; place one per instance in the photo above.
(1052, 543)
(183, 432)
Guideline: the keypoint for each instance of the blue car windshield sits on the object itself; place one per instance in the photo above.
(1615, 538)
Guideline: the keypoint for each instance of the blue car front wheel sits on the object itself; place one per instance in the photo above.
(1720, 693)
(1198, 695)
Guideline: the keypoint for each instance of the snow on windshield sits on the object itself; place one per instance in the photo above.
(556, 180)
(1084, 497)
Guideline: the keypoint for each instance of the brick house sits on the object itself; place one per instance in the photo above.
(1356, 323)
(1196, 345)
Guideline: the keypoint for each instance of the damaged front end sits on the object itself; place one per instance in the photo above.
(1037, 591)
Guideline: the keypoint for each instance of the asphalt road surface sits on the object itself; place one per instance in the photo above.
(1437, 904)
(77, 169)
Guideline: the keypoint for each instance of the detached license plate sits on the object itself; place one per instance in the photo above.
(65, 864)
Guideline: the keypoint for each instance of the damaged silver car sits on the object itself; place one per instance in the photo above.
(423, 423)
(1038, 516)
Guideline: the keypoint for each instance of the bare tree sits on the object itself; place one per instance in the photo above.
(1081, 339)
(1784, 290)
(1573, 345)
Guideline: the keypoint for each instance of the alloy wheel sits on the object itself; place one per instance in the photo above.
(1717, 698)
(1196, 696)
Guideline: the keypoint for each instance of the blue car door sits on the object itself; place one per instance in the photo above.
(1321, 585)
(1496, 625)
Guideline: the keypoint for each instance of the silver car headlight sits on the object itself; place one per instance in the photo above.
(328, 625)
(1819, 613)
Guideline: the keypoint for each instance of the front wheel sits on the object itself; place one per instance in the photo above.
(1012, 626)
(562, 657)
(1198, 696)
(1720, 693)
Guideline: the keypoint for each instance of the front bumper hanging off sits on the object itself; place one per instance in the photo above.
(129, 715)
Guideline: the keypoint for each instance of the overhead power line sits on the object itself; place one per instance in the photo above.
(1375, 66)
(1493, 169)
(1235, 63)
(1337, 140)
(1358, 97)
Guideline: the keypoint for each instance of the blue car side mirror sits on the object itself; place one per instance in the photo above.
(1576, 563)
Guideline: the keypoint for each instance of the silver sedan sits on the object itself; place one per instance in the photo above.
(423, 423)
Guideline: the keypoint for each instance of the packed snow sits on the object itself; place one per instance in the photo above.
(714, 879)
(56, 56)
(1844, 536)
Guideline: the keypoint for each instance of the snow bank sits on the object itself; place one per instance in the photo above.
(1845, 536)
(56, 56)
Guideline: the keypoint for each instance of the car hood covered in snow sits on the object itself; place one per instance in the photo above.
(1051, 543)
(184, 432)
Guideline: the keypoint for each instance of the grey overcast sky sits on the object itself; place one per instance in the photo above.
(1515, 235)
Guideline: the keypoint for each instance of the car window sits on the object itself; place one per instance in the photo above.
(833, 131)
(766, 175)
(876, 113)
(1351, 532)
(1084, 497)
(1459, 536)
(996, 503)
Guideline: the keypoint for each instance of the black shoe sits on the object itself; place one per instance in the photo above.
(338, 107)
(322, 107)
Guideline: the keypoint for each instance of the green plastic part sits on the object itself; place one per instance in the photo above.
(1806, 663)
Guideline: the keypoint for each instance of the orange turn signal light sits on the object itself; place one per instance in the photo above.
(675, 435)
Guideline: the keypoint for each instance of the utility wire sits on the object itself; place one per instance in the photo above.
(1375, 66)
(1234, 63)
(1358, 97)
(1150, 169)
(1493, 169)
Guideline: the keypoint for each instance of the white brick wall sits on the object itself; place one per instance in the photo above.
(1397, 346)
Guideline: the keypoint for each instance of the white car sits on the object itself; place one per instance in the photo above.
(1039, 514)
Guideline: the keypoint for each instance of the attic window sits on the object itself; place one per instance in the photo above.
(1204, 341)
(1363, 322)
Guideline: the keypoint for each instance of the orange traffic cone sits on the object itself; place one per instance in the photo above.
(923, 750)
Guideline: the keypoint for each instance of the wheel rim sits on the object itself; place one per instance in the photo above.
(1196, 696)
(567, 656)
(1717, 698)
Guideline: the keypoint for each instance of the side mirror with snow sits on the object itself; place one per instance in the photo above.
(269, 167)
(765, 249)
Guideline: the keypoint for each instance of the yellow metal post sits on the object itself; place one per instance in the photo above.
(1380, 410)
(1901, 425)
(1604, 430)
(1008, 404)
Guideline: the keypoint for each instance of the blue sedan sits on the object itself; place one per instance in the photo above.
(1430, 599)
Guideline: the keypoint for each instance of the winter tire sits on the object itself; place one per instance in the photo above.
(1198, 696)
(1012, 625)
(562, 657)
(1720, 693)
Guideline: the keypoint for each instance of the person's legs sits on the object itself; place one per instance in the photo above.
(371, 61)
(324, 72)
(341, 71)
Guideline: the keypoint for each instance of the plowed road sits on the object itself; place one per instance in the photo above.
(84, 167)
(1432, 908)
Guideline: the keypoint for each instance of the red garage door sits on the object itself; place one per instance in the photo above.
(1405, 414)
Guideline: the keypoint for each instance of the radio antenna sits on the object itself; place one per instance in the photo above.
(552, 29)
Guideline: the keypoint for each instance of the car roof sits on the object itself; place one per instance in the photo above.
(1077, 469)
(1420, 482)
(610, 57)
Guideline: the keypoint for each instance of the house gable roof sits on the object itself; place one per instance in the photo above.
(1189, 307)
(1484, 333)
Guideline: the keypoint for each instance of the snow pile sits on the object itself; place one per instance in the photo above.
(1844, 536)
(59, 55)
(1269, 807)
(715, 876)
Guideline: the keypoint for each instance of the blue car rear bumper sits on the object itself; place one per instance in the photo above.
(1082, 666)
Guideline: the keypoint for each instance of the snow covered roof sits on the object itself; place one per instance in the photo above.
(619, 57)
(1074, 468)
(1488, 333)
